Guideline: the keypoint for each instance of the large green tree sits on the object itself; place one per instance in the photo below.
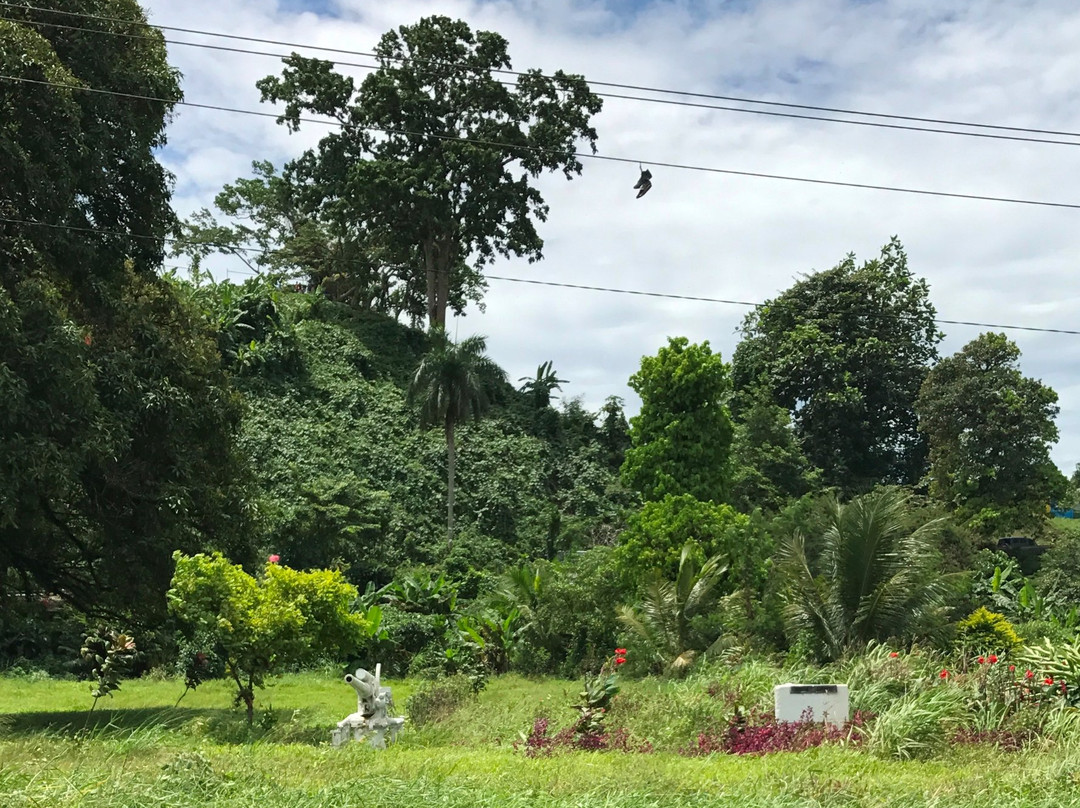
(845, 352)
(990, 429)
(453, 384)
(268, 221)
(432, 166)
(680, 441)
(770, 468)
(116, 422)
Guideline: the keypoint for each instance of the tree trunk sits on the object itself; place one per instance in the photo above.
(442, 279)
(430, 270)
(451, 461)
(437, 254)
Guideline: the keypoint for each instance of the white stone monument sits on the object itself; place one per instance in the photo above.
(797, 703)
(373, 703)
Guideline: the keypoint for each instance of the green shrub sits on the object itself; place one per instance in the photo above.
(438, 700)
(259, 626)
(984, 630)
(1035, 631)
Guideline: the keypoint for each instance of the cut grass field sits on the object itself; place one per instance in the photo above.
(138, 749)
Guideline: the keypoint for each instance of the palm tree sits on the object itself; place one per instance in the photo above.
(541, 386)
(452, 385)
(877, 575)
(663, 618)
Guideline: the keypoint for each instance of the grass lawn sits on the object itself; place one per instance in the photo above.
(138, 749)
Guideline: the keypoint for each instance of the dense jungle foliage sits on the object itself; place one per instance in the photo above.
(220, 469)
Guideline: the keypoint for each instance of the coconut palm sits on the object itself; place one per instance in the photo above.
(663, 618)
(877, 575)
(452, 384)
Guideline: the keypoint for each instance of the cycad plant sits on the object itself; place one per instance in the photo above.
(452, 385)
(664, 619)
(877, 575)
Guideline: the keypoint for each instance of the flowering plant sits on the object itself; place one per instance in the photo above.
(597, 696)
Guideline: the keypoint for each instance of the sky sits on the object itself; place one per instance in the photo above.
(715, 235)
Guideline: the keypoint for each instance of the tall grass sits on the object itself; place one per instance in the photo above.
(143, 752)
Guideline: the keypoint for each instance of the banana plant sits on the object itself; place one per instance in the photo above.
(491, 637)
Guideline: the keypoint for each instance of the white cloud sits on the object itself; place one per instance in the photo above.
(723, 236)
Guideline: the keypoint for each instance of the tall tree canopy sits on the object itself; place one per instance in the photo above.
(769, 467)
(990, 430)
(433, 163)
(845, 352)
(116, 422)
(680, 441)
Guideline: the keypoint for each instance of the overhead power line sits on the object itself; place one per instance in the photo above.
(619, 96)
(509, 279)
(579, 155)
(592, 82)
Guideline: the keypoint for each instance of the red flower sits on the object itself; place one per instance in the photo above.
(894, 655)
(1012, 668)
(87, 339)
(982, 660)
(620, 652)
(620, 660)
(993, 658)
(274, 558)
(1049, 680)
(943, 675)
(1029, 675)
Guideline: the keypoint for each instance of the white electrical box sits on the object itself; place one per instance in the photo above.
(795, 703)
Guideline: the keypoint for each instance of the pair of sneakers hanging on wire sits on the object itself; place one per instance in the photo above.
(644, 182)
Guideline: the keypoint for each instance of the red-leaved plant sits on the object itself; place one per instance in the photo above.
(538, 743)
(759, 733)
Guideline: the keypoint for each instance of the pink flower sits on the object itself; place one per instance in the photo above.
(274, 558)
(1029, 674)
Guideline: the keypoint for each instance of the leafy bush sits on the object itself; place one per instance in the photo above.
(438, 700)
(984, 630)
(1060, 570)
(655, 537)
(408, 634)
(567, 612)
(259, 626)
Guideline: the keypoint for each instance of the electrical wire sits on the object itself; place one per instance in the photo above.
(616, 85)
(619, 96)
(579, 155)
(508, 279)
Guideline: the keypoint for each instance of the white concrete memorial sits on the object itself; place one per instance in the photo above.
(798, 703)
